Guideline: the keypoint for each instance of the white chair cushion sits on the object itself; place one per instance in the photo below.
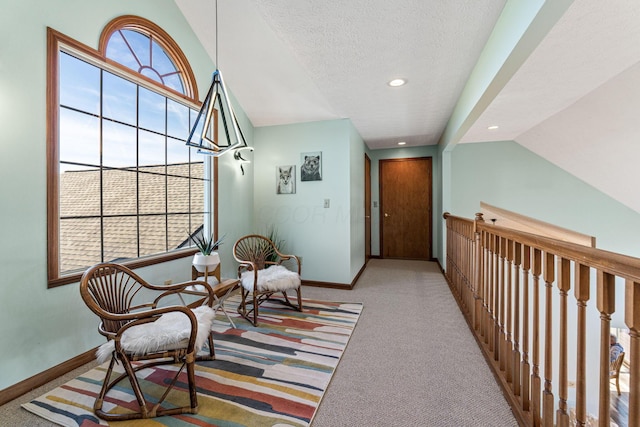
(275, 278)
(171, 331)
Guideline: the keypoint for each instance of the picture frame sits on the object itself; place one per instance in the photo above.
(311, 166)
(286, 179)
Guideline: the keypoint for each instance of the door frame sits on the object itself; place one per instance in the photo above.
(367, 208)
(381, 207)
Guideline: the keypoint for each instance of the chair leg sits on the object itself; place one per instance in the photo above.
(212, 352)
(187, 361)
(242, 307)
(246, 313)
(289, 303)
(299, 292)
(618, 384)
(191, 375)
(97, 405)
(135, 386)
(255, 310)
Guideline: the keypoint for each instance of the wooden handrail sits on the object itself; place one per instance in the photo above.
(516, 221)
(528, 299)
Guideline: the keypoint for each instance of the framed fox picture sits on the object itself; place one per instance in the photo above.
(286, 179)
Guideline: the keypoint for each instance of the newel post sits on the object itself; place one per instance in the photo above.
(478, 288)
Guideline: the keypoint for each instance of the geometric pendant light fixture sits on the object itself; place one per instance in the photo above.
(217, 99)
(202, 136)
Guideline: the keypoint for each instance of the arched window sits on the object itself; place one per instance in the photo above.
(122, 184)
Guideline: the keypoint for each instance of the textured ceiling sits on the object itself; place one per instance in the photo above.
(290, 61)
(572, 97)
(589, 45)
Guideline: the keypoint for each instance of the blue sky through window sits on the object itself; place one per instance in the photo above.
(125, 103)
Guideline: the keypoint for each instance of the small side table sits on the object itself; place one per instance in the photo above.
(221, 292)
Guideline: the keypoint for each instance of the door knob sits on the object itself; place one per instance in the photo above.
(386, 215)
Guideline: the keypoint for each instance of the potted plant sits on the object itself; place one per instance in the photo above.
(272, 234)
(207, 259)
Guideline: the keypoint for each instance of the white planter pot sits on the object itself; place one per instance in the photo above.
(206, 262)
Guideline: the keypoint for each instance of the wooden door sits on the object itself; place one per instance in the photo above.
(405, 208)
(367, 208)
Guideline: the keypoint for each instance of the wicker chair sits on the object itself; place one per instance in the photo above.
(140, 334)
(262, 274)
(614, 370)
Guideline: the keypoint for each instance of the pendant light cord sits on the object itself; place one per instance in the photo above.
(217, 67)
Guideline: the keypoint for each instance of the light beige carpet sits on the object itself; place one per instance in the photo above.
(411, 361)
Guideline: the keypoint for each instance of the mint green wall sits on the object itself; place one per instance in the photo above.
(507, 175)
(42, 327)
(357, 149)
(320, 235)
(399, 153)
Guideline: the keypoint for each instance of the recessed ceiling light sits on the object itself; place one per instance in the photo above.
(397, 82)
(402, 143)
(493, 127)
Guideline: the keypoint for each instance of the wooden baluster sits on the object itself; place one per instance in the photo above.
(449, 250)
(471, 283)
(564, 285)
(501, 304)
(462, 294)
(606, 303)
(461, 272)
(468, 271)
(488, 330)
(488, 327)
(632, 319)
(526, 368)
(515, 362)
(547, 402)
(454, 257)
(536, 269)
(496, 313)
(484, 279)
(477, 276)
(582, 284)
(508, 345)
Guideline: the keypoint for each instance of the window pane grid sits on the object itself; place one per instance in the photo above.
(134, 220)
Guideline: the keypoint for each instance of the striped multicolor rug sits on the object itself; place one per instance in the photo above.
(271, 375)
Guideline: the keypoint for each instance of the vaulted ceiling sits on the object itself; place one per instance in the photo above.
(573, 97)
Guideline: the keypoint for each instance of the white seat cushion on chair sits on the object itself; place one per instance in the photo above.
(171, 331)
(275, 278)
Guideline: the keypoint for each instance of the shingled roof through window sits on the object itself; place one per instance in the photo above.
(164, 218)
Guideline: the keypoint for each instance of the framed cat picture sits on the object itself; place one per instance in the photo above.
(286, 179)
(311, 166)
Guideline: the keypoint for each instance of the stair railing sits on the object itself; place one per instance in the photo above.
(529, 300)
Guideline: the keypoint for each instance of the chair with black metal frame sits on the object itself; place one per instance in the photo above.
(142, 334)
